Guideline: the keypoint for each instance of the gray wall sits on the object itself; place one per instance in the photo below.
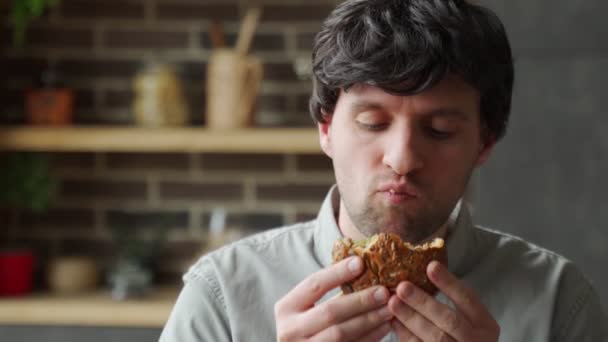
(547, 179)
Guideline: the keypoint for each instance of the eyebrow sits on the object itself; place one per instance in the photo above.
(450, 113)
(361, 105)
(456, 113)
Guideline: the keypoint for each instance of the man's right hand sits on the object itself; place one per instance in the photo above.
(359, 316)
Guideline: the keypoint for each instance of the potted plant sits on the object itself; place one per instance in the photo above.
(24, 11)
(137, 248)
(25, 185)
(49, 102)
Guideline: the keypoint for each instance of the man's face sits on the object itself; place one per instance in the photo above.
(402, 162)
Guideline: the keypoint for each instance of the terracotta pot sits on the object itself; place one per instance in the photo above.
(49, 106)
(16, 272)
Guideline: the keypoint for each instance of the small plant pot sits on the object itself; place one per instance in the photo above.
(49, 106)
(68, 275)
(16, 272)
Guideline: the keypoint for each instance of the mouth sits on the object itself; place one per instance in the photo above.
(400, 189)
(400, 193)
(397, 194)
(398, 197)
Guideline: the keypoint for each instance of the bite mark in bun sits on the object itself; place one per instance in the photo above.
(388, 260)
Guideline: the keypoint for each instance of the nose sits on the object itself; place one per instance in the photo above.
(402, 151)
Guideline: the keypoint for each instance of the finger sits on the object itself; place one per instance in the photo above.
(415, 323)
(376, 334)
(464, 299)
(402, 332)
(316, 285)
(438, 314)
(340, 309)
(353, 328)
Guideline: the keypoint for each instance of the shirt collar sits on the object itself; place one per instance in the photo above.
(326, 230)
(461, 250)
(458, 239)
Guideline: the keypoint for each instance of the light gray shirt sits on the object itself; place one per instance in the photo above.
(534, 294)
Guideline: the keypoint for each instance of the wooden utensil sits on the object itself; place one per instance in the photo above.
(247, 30)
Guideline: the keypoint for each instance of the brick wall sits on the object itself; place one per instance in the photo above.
(102, 191)
(99, 46)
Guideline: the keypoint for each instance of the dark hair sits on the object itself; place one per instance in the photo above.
(408, 46)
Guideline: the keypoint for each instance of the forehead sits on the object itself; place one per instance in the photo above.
(450, 94)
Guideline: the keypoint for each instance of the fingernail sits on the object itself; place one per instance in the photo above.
(434, 270)
(354, 265)
(405, 291)
(380, 295)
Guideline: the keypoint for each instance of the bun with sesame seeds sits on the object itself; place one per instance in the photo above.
(388, 260)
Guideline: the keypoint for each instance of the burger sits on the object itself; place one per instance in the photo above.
(388, 260)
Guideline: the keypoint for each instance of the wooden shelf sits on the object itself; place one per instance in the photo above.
(90, 309)
(127, 139)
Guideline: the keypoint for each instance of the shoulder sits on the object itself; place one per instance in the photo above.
(268, 244)
(576, 309)
(526, 266)
(518, 250)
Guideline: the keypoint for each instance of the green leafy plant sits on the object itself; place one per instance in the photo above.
(26, 181)
(137, 249)
(24, 11)
(138, 244)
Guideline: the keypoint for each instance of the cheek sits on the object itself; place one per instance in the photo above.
(355, 163)
(451, 171)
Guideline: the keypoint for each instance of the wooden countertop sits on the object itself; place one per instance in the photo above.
(89, 309)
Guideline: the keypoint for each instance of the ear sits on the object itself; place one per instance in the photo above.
(485, 150)
(325, 135)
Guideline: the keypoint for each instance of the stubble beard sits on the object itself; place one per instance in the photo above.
(373, 217)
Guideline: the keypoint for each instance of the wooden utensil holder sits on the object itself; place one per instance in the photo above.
(233, 81)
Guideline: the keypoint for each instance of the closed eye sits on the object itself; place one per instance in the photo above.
(372, 127)
(439, 134)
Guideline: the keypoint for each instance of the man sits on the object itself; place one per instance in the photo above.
(410, 97)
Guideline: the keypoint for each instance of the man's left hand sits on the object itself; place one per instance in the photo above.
(420, 317)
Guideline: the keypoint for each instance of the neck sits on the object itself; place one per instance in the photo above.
(347, 227)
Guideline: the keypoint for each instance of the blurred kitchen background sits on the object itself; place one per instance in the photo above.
(118, 194)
